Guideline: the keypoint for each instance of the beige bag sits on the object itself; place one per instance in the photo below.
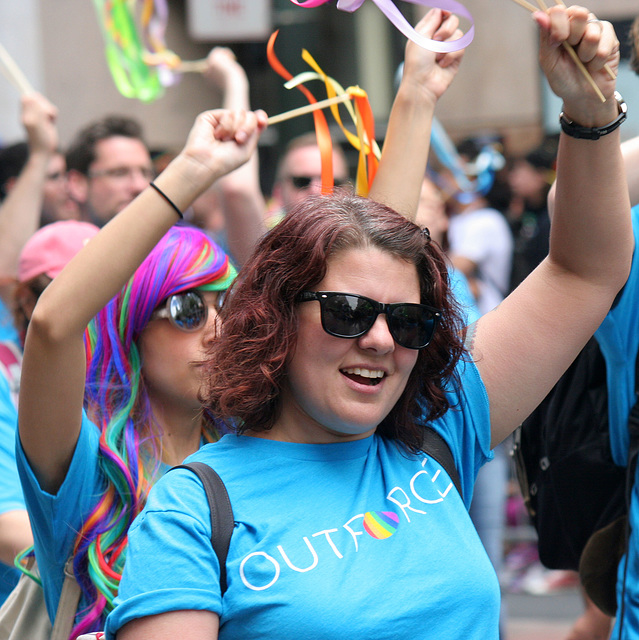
(23, 615)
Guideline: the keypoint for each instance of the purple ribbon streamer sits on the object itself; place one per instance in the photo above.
(388, 8)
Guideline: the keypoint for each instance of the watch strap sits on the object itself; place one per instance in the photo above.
(594, 133)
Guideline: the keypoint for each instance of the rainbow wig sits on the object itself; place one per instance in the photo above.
(117, 401)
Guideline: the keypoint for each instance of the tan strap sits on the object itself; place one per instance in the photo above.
(68, 604)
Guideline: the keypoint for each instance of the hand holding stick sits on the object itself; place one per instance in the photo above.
(607, 67)
(532, 8)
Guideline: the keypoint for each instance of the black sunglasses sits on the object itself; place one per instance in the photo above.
(304, 182)
(348, 315)
(186, 311)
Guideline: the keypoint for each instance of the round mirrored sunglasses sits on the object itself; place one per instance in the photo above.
(187, 311)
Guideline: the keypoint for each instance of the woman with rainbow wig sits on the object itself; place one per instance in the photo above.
(112, 366)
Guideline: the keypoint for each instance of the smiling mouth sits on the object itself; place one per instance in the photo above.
(370, 377)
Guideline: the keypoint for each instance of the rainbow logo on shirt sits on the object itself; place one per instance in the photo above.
(381, 524)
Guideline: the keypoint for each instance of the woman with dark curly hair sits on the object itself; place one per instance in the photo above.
(263, 317)
(339, 344)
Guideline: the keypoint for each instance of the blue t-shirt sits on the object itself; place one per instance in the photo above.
(10, 491)
(356, 539)
(618, 337)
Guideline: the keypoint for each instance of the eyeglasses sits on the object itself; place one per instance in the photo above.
(123, 173)
(304, 182)
(347, 315)
(186, 311)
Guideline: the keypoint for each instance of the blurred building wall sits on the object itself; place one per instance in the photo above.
(59, 46)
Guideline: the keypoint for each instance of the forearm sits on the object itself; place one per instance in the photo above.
(243, 207)
(425, 78)
(236, 91)
(401, 171)
(20, 212)
(15, 535)
(630, 153)
(242, 200)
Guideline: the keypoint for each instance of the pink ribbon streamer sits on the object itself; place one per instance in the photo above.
(389, 9)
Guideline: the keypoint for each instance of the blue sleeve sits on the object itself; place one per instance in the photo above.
(56, 519)
(466, 426)
(172, 520)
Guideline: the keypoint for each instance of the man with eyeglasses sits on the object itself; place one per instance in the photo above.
(299, 174)
(108, 165)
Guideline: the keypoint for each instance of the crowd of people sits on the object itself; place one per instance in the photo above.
(157, 310)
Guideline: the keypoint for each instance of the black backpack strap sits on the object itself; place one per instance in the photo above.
(222, 522)
(437, 448)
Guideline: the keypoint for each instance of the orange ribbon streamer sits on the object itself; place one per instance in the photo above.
(322, 132)
(364, 142)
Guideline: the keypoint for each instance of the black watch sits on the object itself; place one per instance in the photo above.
(594, 133)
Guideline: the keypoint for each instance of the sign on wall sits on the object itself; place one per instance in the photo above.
(229, 20)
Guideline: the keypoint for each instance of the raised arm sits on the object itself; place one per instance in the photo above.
(426, 77)
(53, 372)
(522, 347)
(21, 209)
(243, 204)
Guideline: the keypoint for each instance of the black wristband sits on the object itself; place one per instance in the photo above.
(175, 207)
(575, 130)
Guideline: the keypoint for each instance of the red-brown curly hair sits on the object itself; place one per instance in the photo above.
(246, 365)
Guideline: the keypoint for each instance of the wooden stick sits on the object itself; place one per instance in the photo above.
(300, 111)
(607, 67)
(192, 66)
(13, 73)
(526, 5)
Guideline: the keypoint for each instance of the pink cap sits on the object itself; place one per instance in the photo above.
(50, 248)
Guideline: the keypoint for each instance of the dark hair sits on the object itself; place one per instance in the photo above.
(246, 366)
(12, 161)
(81, 152)
(25, 295)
